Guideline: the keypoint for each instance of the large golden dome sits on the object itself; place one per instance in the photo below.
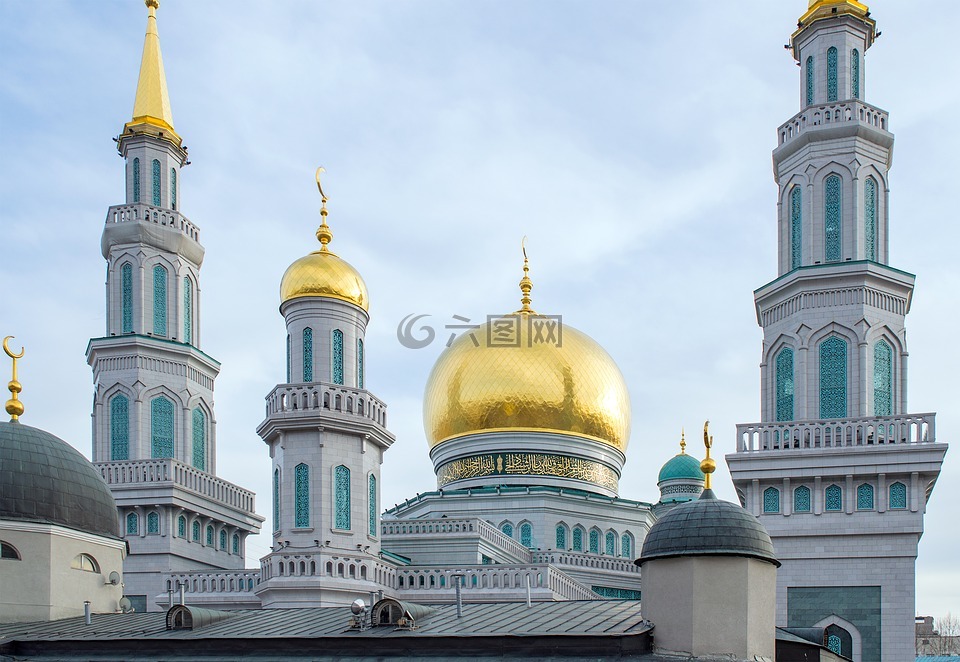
(480, 384)
(324, 274)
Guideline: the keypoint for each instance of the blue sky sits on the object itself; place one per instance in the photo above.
(630, 141)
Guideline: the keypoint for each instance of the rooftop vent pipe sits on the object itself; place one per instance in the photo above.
(86, 612)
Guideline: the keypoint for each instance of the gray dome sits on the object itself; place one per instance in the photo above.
(43, 479)
(708, 527)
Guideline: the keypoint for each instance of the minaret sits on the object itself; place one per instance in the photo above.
(837, 470)
(154, 428)
(327, 435)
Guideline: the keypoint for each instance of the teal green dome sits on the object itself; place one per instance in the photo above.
(681, 467)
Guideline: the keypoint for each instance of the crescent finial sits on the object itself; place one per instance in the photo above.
(319, 186)
(6, 348)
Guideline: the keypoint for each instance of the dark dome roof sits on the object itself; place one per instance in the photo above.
(708, 527)
(43, 479)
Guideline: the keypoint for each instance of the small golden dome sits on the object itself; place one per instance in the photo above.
(324, 274)
(480, 384)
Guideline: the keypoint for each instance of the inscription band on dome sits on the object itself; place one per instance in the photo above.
(527, 464)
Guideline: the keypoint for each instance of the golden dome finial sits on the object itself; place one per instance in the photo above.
(709, 465)
(324, 233)
(14, 406)
(151, 107)
(526, 285)
(683, 442)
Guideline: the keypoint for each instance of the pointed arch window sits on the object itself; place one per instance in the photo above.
(133, 524)
(507, 529)
(610, 544)
(136, 180)
(771, 500)
(833, 378)
(209, 535)
(832, 199)
(785, 384)
(832, 74)
(526, 534)
(796, 226)
(156, 183)
(301, 488)
(153, 523)
(372, 505)
(195, 530)
(187, 310)
(236, 543)
(161, 427)
(337, 356)
(834, 644)
(119, 427)
(182, 526)
(898, 496)
(833, 500)
(865, 497)
(199, 439)
(882, 379)
(159, 300)
(801, 499)
(126, 298)
(223, 539)
(594, 542)
(359, 362)
(561, 537)
(341, 491)
(577, 539)
(289, 374)
(626, 546)
(811, 80)
(870, 217)
(308, 354)
(855, 74)
(276, 499)
(173, 188)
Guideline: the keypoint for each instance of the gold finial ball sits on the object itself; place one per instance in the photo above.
(15, 386)
(153, 4)
(324, 234)
(708, 466)
(14, 407)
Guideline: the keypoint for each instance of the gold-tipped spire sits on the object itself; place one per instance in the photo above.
(683, 442)
(14, 406)
(709, 465)
(324, 233)
(151, 108)
(526, 285)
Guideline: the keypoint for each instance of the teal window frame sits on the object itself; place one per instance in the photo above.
(223, 539)
(810, 80)
(153, 522)
(210, 534)
(156, 183)
(833, 91)
(236, 543)
(372, 506)
(833, 499)
(784, 384)
(577, 539)
(162, 427)
(865, 497)
(199, 434)
(126, 298)
(796, 227)
(173, 188)
(341, 498)
(898, 496)
(359, 362)
(802, 502)
(526, 534)
(276, 499)
(195, 531)
(833, 218)
(301, 489)
(855, 73)
(187, 310)
(882, 379)
(160, 300)
(561, 537)
(771, 500)
(308, 354)
(870, 217)
(594, 541)
(507, 529)
(626, 546)
(336, 357)
(833, 378)
(136, 180)
(119, 427)
(182, 526)
(133, 524)
(610, 543)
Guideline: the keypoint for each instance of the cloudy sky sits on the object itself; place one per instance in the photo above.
(630, 141)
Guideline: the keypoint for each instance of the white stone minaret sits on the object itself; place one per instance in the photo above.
(837, 470)
(154, 428)
(327, 435)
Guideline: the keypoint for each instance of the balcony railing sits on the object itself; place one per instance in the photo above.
(439, 584)
(471, 527)
(148, 214)
(833, 114)
(170, 471)
(217, 582)
(294, 564)
(326, 397)
(587, 561)
(844, 432)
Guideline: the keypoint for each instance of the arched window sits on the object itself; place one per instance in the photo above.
(855, 74)
(832, 218)
(289, 374)
(898, 496)
(801, 499)
(610, 544)
(182, 526)
(833, 378)
(870, 217)
(8, 551)
(833, 498)
(578, 539)
(187, 310)
(785, 384)
(626, 546)
(153, 523)
(771, 500)
(161, 427)
(811, 80)
(195, 530)
(136, 180)
(526, 535)
(199, 439)
(337, 356)
(173, 188)
(507, 529)
(594, 542)
(882, 379)
(865, 497)
(832, 74)
(119, 427)
(133, 524)
(85, 562)
(301, 487)
(839, 640)
(372, 505)
(561, 537)
(341, 499)
(833, 643)
(796, 226)
(360, 363)
(276, 499)
(236, 543)
(159, 300)
(156, 183)
(126, 298)
(209, 535)
(223, 539)
(308, 354)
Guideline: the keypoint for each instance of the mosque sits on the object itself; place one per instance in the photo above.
(527, 421)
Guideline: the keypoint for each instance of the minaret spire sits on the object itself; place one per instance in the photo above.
(151, 108)
(526, 285)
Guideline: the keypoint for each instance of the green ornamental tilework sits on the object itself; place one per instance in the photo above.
(223, 539)
(136, 180)
(199, 439)
(626, 546)
(301, 489)
(833, 643)
(308, 354)
(784, 367)
(833, 498)
(870, 217)
(526, 535)
(832, 90)
(288, 359)
(126, 298)
(337, 367)
(811, 80)
(133, 524)
(153, 523)
(119, 428)
(372, 505)
(610, 544)
(561, 540)
(801, 499)
(898, 495)
(187, 310)
(342, 497)
(833, 378)
(771, 500)
(156, 183)
(276, 500)
(616, 593)
(882, 379)
(173, 188)
(182, 526)
(209, 536)
(594, 542)
(859, 605)
(359, 362)
(159, 301)
(196, 531)
(855, 74)
(236, 543)
(578, 539)
(796, 227)
(865, 497)
(161, 427)
(507, 529)
(832, 214)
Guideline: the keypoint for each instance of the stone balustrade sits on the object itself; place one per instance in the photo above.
(318, 396)
(320, 562)
(832, 114)
(584, 560)
(845, 432)
(214, 582)
(439, 584)
(442, 526)
(170, 471)
(139, 211)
